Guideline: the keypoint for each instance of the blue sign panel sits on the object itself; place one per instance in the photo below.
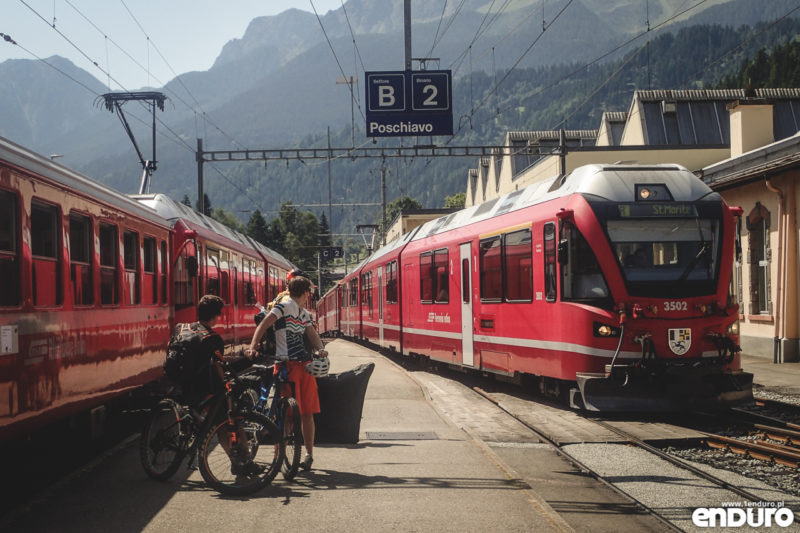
(386, 91)
(409, 103)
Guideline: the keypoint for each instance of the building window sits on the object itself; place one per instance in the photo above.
(759, 259)
(80, 256)
(9, 251)
(45, 244)
(108, 265)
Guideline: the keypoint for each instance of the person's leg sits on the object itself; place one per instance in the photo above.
(307, 422)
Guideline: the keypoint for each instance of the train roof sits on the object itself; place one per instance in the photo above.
(45, 167)
(615, 183)
(174, 211)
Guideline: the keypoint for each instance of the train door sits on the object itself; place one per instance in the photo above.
(380, 292)
(467, 348)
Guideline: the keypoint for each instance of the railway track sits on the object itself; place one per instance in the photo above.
(633, 440)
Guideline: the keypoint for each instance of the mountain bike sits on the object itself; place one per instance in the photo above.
(239, 450)
(276, 400)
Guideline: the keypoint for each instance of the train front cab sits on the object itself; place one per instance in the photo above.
(663, 323)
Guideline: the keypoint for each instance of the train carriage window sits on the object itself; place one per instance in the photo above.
(248, 281)
(212, 271)
(130, 247)
(163, 272)
(391, 282)
(224, 277)
(45, 244)
(149, 279)
(80, 256)
(441, 267)
(426, 277)
(550, 280)
(354, 292)
(9, 252)
(366, 292)
(109, 294)
(581, 276)
(518, 266)
(491, 270)
(274, 288)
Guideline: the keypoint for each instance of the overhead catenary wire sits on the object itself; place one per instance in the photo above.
(336, 58)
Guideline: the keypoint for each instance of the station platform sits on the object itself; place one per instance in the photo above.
(783, 378)
(425, 461)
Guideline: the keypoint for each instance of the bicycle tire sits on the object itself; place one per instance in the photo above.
(293, 437)
(164, 441)
(264, 449)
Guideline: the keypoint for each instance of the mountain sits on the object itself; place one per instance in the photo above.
(275, 88)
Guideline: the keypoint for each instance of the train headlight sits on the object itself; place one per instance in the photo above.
(733, 328)
(604, 330)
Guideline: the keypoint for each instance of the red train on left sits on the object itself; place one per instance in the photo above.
(93, 282)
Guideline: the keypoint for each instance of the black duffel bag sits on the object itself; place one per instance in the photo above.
(341, 401)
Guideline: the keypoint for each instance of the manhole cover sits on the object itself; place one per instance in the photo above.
(401, 435)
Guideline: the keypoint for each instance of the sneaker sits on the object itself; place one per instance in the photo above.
(248, 469)
(305, 464)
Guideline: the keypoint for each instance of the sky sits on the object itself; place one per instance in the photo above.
(189, 34)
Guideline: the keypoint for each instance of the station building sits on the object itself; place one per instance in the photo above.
(744, 145)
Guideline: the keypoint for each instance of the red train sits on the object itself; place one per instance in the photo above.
(93, 282)
(610, 285)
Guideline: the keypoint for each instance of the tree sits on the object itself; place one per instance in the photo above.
(324, 231)
(206, 205)
(257, 227)
(229, 219)
(455, 201)
(186, 200)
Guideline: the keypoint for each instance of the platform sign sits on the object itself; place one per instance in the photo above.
(409, 103)
(332, 252)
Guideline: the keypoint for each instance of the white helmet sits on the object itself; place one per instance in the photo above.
(318, 367)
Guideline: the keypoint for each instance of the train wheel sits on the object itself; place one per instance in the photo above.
(165, 440)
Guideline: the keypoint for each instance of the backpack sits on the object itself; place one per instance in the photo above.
(267, 344)
(183, 352)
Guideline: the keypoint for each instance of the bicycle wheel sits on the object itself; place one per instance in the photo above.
(164, 441)
(293, 437)
(242, 457)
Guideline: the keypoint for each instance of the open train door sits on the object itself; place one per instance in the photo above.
(467, 349)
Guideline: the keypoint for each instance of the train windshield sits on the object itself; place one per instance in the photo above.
(667, 257)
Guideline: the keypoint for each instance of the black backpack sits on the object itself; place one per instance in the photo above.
(267, 345)
(183, 351)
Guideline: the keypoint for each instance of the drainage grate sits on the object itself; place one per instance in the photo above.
(401, 435)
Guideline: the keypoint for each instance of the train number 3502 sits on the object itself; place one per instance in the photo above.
(675, 305)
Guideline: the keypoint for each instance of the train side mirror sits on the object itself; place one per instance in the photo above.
(563, 252)
(191, 265)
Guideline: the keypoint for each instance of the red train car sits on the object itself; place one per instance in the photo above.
(84, 308)
(610, 284)
(94, 282)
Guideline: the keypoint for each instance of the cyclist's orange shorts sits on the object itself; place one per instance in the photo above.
(305, 387)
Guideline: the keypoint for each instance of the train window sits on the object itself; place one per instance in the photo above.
(581, 277)
(465, 284)
(391, 282)
(149, 280)
(212, 271)
(182, 277)
(426, 277)
(518, 266)
(248, 281)
(366, 291)
(9, 263)
(550, 280)
(491, 270)
(224, 277)
(163, 272)
(80, 256)
(274, 289)
(130, 254)
(354, 292)
(46, 278)
(441, 278)
(108, 264)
